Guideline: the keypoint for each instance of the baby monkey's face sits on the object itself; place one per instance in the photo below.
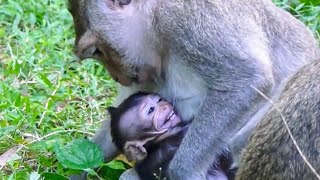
(160, 113)
(152, 116)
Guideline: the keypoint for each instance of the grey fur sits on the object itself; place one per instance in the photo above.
(217, 52)
(270, 153)
(239, 140)
(130, 174)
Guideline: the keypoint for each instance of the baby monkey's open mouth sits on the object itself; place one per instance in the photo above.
(171, 121)
(170, 117)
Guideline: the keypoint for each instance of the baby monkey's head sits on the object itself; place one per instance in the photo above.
(141, 118)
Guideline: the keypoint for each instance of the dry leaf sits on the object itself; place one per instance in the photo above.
(9, 155)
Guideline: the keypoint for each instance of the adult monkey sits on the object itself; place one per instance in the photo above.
(271, 153)
(206, 57)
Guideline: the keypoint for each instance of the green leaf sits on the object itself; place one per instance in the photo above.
(113, 169)
(46, 144)
(116, 165)
(91, 172)
(45, 80)
(18, 101)
(27, 104)
(16, 23)
(299, 7)
(4, 105)
(80, 154)
(20, 175)
(7, 130)
(313, 2)
(2, 32)
(53, 176)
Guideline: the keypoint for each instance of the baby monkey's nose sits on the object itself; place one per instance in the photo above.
(165, 107)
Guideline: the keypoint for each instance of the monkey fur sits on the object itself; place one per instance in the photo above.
(206, 57)
(271, 153)
(128, 126)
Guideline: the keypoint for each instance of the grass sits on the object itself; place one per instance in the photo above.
(43, 88)
(47, 97)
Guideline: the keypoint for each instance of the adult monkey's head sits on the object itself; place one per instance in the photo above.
(118, 33)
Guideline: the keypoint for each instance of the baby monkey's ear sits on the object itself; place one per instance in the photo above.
(134, 150)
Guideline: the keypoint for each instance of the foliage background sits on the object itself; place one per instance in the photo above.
(47, 97)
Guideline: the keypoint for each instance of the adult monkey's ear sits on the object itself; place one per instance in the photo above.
(135, 151)
(86, 45)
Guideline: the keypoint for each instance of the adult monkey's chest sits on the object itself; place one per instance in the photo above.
(184, 88)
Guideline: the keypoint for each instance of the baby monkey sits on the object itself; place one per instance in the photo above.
(147, 130)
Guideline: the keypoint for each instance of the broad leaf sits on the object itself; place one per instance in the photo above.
(80, 154)
(53, 176)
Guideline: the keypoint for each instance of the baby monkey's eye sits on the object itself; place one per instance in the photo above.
(160, 100)
(151, 110)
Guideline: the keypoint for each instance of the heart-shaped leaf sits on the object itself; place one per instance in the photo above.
(80, 154)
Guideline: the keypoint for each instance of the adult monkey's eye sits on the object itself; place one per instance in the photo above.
(150, 110)
(160, 100)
